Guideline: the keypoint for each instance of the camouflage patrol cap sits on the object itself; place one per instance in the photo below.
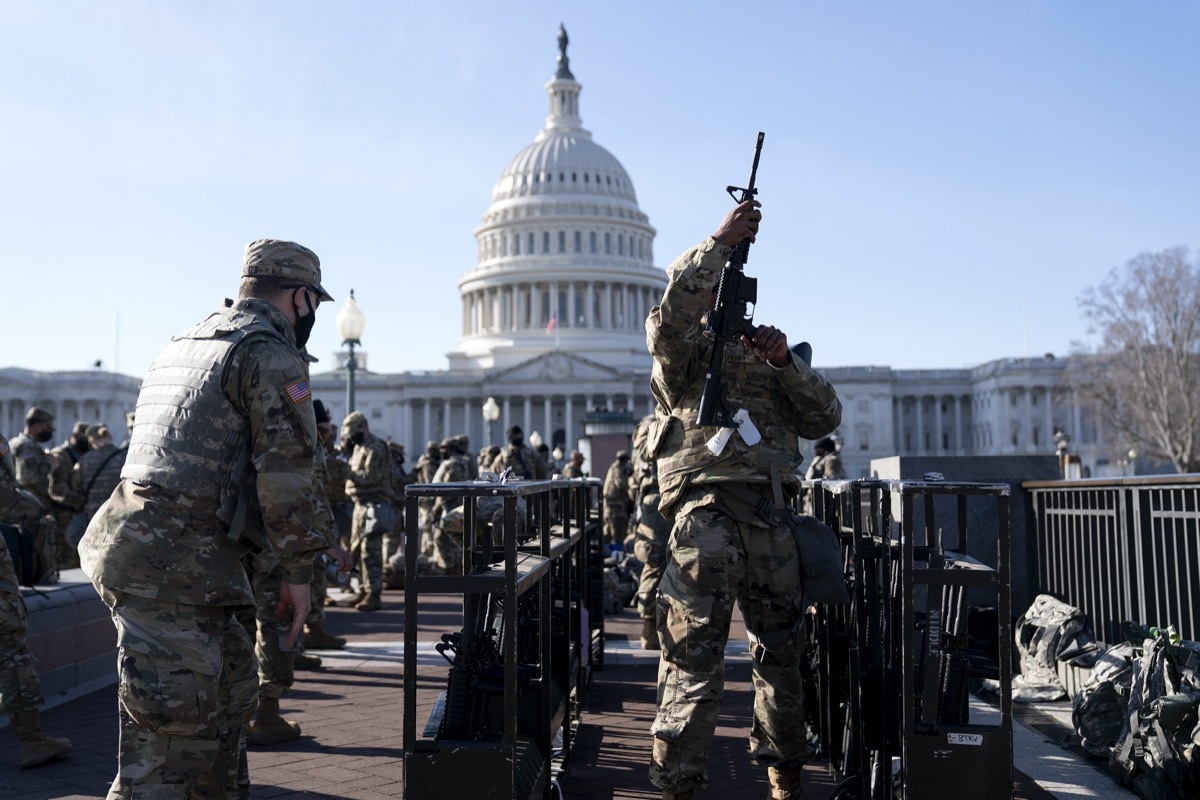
(96, 432)
(464, 442)
(576, 455)
(80, 428)
(279, 259)
(449, 443)
(622, 455)
(35, 414)
(353, 420)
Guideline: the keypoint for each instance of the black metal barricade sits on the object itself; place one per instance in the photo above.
(520, 666)
(893, 669)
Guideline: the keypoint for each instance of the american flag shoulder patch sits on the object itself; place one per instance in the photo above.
(298, 391)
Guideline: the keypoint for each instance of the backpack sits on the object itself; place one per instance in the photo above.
(1045, 633)
(1099, 709)
(1156, 755)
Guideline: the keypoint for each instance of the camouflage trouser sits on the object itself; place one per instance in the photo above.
(187, 687)
(65, 554)
(448, 550)
(425, 523)
(616, 526)
(367, 551)
(319, 587)
(275, 664)
(650, 548)
(20, 689)
(711, 560)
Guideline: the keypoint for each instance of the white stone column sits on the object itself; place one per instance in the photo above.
(532, 300)
(608, 309)
(1028, 422)
(958, 431)
(506, 417)
(547, 431)
(937, 425)
(410, 441)
(1048, 426)
(920, 423)
(471, 418)
(589, 303)
(568, 424)
(427, 419)
(527, 420)
(446, 418)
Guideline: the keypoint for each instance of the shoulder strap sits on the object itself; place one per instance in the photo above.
(103, 464)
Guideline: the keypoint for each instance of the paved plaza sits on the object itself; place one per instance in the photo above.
(351, 714)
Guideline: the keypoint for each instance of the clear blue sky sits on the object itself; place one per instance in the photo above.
(940, 179)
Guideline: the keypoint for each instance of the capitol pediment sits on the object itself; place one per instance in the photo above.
(554, 367)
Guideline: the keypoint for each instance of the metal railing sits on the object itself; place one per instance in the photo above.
(1124, 549)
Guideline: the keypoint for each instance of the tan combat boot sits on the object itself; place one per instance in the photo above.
(649, 635)
(785, 783)
(268, 727)
(316, 638)
(36, 747)
(371, 602)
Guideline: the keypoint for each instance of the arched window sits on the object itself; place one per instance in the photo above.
(607, 243)
(531, 240)
(592, 241)
(562, 241)
(545, 242)
(516, 244)
(578, 242)
(620, 244)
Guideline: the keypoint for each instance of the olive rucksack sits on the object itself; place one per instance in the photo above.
(1098, 711)
(1156, 754)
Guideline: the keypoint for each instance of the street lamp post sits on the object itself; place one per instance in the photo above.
(350, 325)
(491, 413)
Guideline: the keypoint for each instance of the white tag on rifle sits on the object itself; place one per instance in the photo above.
(717, 443)
(745, 428)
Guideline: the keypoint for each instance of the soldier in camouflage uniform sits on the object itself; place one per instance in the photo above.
(33, 467)
(220, 462)
(333, 487)
(426, 468)
(20, 689)
(65, 500)
(617, 502)
(523, 462)
(369, 484)
(574, 466)
(447, 511)
(651, 532)
(98, 471)
(729, 538)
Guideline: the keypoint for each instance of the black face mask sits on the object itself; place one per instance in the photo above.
(44, 436)
(516, 441)
(81, 444)
(304, 325)
(357, 438)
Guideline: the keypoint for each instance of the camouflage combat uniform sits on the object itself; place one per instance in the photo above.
(220, 460)
(96, 475)
(369, 485)
(32, 467)
(721, 549)
(652, 529)
(523, 462)
(66, 501)
(447, 511)
(426, 468)
(20, 689)
(617, 503)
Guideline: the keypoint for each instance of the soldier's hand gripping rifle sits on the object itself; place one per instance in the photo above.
(732, 316)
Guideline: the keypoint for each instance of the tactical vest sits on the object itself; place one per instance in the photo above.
(680, 445)
(187, 434)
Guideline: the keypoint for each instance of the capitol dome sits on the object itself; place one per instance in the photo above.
(565, 255)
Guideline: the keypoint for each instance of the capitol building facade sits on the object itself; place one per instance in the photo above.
(552, 330)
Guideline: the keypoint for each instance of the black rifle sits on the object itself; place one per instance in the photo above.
(730, 318)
